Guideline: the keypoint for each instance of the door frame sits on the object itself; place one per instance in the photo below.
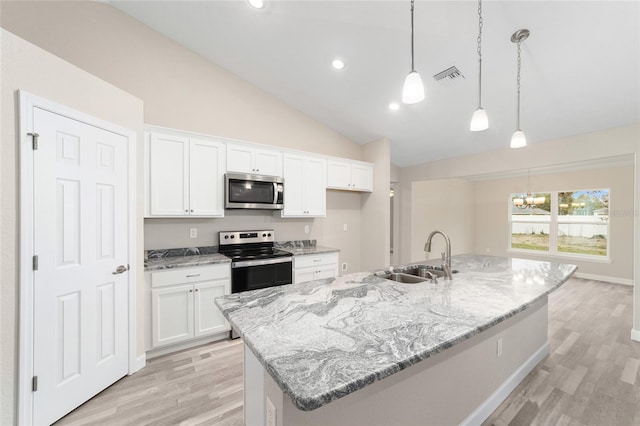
(26, 103)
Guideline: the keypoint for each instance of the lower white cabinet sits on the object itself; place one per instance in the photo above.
(315, 267)
(183, 306)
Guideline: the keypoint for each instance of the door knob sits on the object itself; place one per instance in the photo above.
(120, 269)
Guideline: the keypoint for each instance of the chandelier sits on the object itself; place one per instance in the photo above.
(528, 201)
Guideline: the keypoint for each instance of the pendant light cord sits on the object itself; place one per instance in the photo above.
(412, 67)
(480, 54)
(518, 81)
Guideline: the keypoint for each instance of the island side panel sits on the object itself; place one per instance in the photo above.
(463, 384)
(254, 395)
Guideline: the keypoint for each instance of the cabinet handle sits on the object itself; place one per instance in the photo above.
(190, 291)
(191, 211)
(197, 289)
(186, 210)
(194, 275)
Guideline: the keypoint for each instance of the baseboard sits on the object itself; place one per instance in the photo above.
(164, 350)
(635, 335)
(624, 281)
(141, 361)
(485, 409)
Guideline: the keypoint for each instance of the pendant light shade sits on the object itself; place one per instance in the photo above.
(479, 120)
(518, 140)
(413, 89)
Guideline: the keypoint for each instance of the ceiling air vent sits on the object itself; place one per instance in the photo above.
(449, 77)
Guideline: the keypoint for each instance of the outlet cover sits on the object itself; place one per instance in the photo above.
(271, 413)
(193, 232)
(344, 266)
(306, 229)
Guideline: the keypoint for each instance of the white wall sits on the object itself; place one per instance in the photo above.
(27, 67)
(446, 205)
(492, 215)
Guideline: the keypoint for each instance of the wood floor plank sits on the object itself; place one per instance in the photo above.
(589, 378)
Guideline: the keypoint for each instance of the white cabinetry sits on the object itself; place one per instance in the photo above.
(247, 159)
(184, 176)
(315, 267)
(350, 175)
(182, 303)
(305, 184)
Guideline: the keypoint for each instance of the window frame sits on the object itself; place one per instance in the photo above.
(554, 222)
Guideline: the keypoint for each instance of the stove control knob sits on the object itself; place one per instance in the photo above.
(264, 235)
(226, 237)
(268, 235)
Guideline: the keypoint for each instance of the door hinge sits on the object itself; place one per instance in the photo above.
(34, 383)
(35, 136)
(35, 262)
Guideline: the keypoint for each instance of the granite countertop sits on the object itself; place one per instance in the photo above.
(156, 260)
(303, 251)
(322, 340)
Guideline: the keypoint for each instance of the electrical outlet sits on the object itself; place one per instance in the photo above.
(271, 413)
(344, 227)
(193, 232)
(499, 347)
(487, 250)
(306, 229)
(344, 266)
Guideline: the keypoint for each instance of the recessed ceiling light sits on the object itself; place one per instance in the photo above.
(337, 64)
(394, 106)
(258, 4)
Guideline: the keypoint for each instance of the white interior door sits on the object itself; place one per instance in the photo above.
(80, 237)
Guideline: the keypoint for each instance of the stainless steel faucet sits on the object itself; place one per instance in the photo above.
(446, 256)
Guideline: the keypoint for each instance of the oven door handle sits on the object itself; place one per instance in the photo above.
(246, 263)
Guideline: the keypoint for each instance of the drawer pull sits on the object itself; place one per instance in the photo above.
(192, 276)
(317, 260)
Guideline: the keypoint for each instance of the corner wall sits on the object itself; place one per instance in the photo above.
(27, 67)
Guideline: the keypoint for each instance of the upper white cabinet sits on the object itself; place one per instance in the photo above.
(184, 176)
(305, 184)
(350, 175)
(247, 159)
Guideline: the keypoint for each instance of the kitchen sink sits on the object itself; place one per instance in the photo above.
(403, 278)
(425, 271)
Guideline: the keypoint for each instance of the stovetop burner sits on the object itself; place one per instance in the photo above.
(250, 245)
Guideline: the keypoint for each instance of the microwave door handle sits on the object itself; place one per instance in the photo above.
(275, 193)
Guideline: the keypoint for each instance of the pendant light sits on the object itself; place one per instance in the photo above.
(518, 140)
(413, 90)
(479, 120)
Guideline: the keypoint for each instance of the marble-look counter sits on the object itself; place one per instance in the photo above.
(304, 247)
(322, 340)
(156, 260)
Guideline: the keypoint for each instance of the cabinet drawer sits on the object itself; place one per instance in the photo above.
(190, 275)
(315, 260)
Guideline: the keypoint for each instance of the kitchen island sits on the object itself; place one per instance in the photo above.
(449, 352)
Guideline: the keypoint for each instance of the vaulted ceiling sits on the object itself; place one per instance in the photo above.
(580, 66)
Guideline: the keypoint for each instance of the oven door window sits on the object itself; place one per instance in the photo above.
(262, 276)
(251, 192)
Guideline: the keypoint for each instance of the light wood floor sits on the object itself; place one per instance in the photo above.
(591, 376)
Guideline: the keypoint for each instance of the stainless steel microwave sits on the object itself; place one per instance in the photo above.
(246, 191)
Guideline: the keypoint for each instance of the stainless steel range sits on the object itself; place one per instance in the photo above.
(255, 263)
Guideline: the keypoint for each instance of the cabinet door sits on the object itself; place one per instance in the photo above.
(303, 275)
(315, 187)
(326, 271)
(172, 314)
(268, 162)
(168, 175)
(240, 159)
(361, 177)
(208, 318)
(293, 170)
(206, 178)
(338, 175)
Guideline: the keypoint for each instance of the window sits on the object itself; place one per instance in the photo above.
(567, 222)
